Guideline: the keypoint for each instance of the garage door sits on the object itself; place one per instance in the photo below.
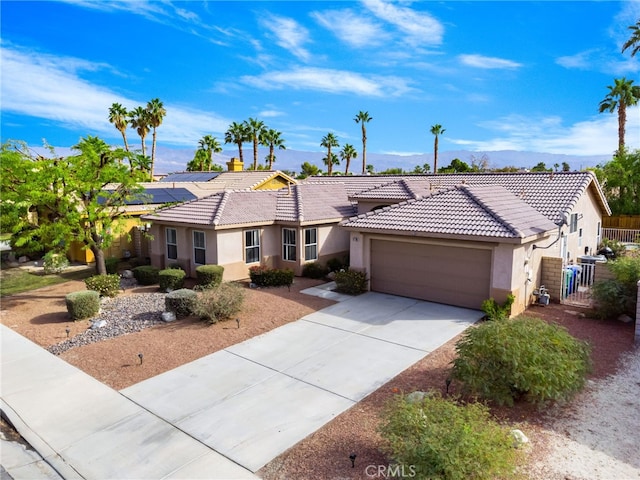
(451, 275)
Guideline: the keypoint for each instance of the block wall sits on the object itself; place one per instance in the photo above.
(551, 277)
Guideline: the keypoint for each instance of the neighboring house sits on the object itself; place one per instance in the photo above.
(451, 238)
(178, 188)
(239, 229)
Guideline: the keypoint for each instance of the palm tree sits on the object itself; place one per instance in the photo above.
(347, 153)
(254, 128)
(634, 41)
(138, 119)
(620, 96)
(328, 141)
(272, 138)
(156, 113)
(118, 117)
(237, 134)
(210, 145)
(363, 118)
(436, 130)
(334, 161)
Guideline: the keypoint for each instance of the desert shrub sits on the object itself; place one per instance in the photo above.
(271, 277)
(146, 274)
(437, 438)
(351, 282)
(314, 270)
(171, 279)
(209, 276)
(111, 265)
(54, 262)
(182, 302)
(219, 303)
(494, 311)
(139, 261)
(83, 304)
(620, 294)
(506, 360)
(336, 264)
(105, 285)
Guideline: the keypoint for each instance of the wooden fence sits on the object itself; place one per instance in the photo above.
(627, 222)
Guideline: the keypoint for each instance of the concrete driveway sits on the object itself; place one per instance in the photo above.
(254, 400)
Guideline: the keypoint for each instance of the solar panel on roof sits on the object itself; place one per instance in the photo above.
(190, 177)
(158, 196)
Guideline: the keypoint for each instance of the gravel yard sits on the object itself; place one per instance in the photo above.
(594, 437)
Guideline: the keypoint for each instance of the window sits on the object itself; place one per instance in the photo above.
(311, 244)
(289, 244)
(172, 243)
(199, 248)
(252, 246)
(573, 224)
(580, 237)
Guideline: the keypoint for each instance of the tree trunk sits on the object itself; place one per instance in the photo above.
(255, 154)
(98, 254)
(364, 149)
(153, 154)
(124, 138)
(622, 120)
(435, 155)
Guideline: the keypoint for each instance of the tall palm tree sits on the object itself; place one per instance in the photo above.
(237, 133)
(347, 153)
(334, 161)
(139, 120)
(328, 141)
(621, 95)
(272, 138)
(255, 128)
(363, 118)
(156, 113)
(634, 41)
(118, 117)
(436, 130)
(210, 145)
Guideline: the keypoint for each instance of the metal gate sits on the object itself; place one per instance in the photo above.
(577, 280)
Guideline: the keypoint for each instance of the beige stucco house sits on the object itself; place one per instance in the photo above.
(450, 238)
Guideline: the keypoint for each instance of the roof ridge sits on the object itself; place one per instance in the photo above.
(223, 202)
(299, 203)
(468, 189)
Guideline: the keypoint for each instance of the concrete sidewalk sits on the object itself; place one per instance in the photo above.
(254, 400)
(84, 429)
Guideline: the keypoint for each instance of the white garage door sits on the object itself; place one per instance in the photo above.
(451, 275)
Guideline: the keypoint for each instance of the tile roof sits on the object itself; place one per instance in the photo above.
(488, 211)
(549, 193)
(314, 202)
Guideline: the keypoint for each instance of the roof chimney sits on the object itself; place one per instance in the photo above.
(235, 165)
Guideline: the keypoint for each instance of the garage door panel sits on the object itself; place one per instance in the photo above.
(452, 275)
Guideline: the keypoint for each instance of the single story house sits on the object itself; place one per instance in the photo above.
(450, 238)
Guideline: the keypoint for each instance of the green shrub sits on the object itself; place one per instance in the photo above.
(351, 282)
(271, 277)
(314, 270)
(496, 312)
(336, 264)
(139, 261)
(506, 360)
(55, 262)
(105, 285)
(175, 266)
(146, 274)
(171, 279)
(83, 304)
(111, 264)
(617, 247)
(182, 302)
(619, 295)
(437, 438)
(209, 276)
(219, 303)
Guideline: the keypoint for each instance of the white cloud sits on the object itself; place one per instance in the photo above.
(289, 34)
(420, 28)
(582, 60)
(481, 61)
(270, 113)
(49, 87)
(594, 136)
(326, 80)
(351, 28)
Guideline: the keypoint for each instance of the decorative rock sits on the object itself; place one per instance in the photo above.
(23, 259)
(253, 285)
(168, 316)
(417, 397)
(127, 274)
(98, 324)
(519, 438)
(624, 318)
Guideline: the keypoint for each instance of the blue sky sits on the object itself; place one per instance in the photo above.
(524, 76)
